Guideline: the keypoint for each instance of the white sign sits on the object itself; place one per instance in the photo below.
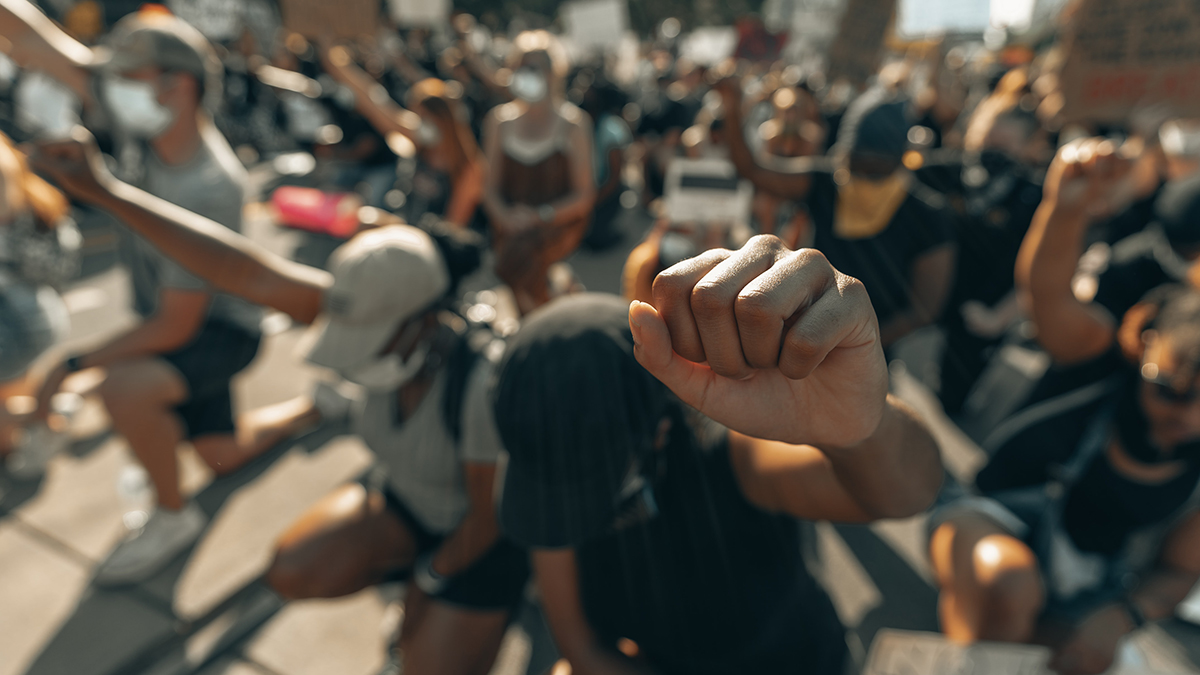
(595, 24)
(706, 191)
(1189, 610)
(419, 12)
(709, 46)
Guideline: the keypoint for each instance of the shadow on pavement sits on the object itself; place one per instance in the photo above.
(115, 631)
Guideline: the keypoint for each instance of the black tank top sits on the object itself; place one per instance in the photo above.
(713, 585)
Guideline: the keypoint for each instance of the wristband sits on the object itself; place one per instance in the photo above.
(74, 364)
(1135, 614)
(426, 578)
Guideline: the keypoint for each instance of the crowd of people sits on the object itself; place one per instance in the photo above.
(640, 462)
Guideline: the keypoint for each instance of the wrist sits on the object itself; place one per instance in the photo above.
(886, 426)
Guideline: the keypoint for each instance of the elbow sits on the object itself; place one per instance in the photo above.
(916, 497)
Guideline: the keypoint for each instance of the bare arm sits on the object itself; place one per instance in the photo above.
(1176, 575)
(38, 43)
(932, 276)
(178, 318)
(1070, 330)
(478, 530)
(466, 194)
(895, 473)
(498, 209)
(558, 584)
(788, 178)
(371, 100)
(227, 260)
(578, 203)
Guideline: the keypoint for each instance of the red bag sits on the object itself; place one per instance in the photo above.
(312, 210)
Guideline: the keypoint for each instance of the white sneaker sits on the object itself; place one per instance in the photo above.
(38, 445)
(165, 535)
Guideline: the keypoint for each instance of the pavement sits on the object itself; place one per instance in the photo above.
(209, 611)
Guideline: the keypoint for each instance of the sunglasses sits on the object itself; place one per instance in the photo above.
(1164, 390)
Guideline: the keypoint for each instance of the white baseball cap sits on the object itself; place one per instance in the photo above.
(381, 279)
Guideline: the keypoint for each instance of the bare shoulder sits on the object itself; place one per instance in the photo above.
(575, 117)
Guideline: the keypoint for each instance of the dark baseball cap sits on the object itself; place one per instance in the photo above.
(575, 410)
(1178, 211)
(156, 38)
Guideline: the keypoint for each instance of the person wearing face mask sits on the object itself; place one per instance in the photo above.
(382, 319)
(656, 462)
(868, 215)
(39, 247)
(168, 379)
(539, 190)
(994, 186)
(447, 180)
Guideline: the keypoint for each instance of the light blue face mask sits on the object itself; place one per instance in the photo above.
(135, 108)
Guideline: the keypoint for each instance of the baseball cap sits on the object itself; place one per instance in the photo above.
(1178, 210)
(157, 38)
(575, 410)
(876, 125)
(381, 278)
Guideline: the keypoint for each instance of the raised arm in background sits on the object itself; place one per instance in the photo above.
(783, 177)
(371, 99)
(227, 260)
(1077, 188)
(39, 44)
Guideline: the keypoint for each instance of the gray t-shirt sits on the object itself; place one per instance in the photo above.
(212, 184)
(424, 465)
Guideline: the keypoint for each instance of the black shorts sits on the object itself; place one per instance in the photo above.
(496, 581)
(208, 363)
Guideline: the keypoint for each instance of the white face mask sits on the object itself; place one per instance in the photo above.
(529, 85)
(134, 106)
(387, 373)
(428, 134)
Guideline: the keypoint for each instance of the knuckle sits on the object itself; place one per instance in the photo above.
(754, 308)
(802, 347)
(709, 299)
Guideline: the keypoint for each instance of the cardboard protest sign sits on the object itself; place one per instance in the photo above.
(419, 12)
(709, 46)
(344, 19)
(595, 24)
(706, 191)
(858, 47)
(1127, 54)
(897, 652)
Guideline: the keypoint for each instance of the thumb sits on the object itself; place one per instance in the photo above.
(652, 347)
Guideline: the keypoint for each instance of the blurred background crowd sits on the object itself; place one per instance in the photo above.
(1016, 183)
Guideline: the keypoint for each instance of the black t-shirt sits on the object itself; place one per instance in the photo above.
(1137, 265)
(883, 262)
(713, 585)
(1102, 508)
(993, 217)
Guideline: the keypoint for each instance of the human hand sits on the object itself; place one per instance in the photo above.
(1083, 177)
(75, 165)
(770, 342)
(1092, 648)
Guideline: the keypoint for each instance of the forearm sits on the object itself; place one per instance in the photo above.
(1067, 328)
(225, 259)
(36, 42)
(573, 207)
(372, 100)
(791, 184)
(150, 338)
(477, 533)
(1160, 593)
(897, 471)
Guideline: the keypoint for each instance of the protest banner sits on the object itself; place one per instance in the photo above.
(1129, 54)
(595, 25)
(706, 191)
(345, 19)
(858, 47)
(419, 13)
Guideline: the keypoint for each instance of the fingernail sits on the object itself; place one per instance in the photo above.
(633, 321)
